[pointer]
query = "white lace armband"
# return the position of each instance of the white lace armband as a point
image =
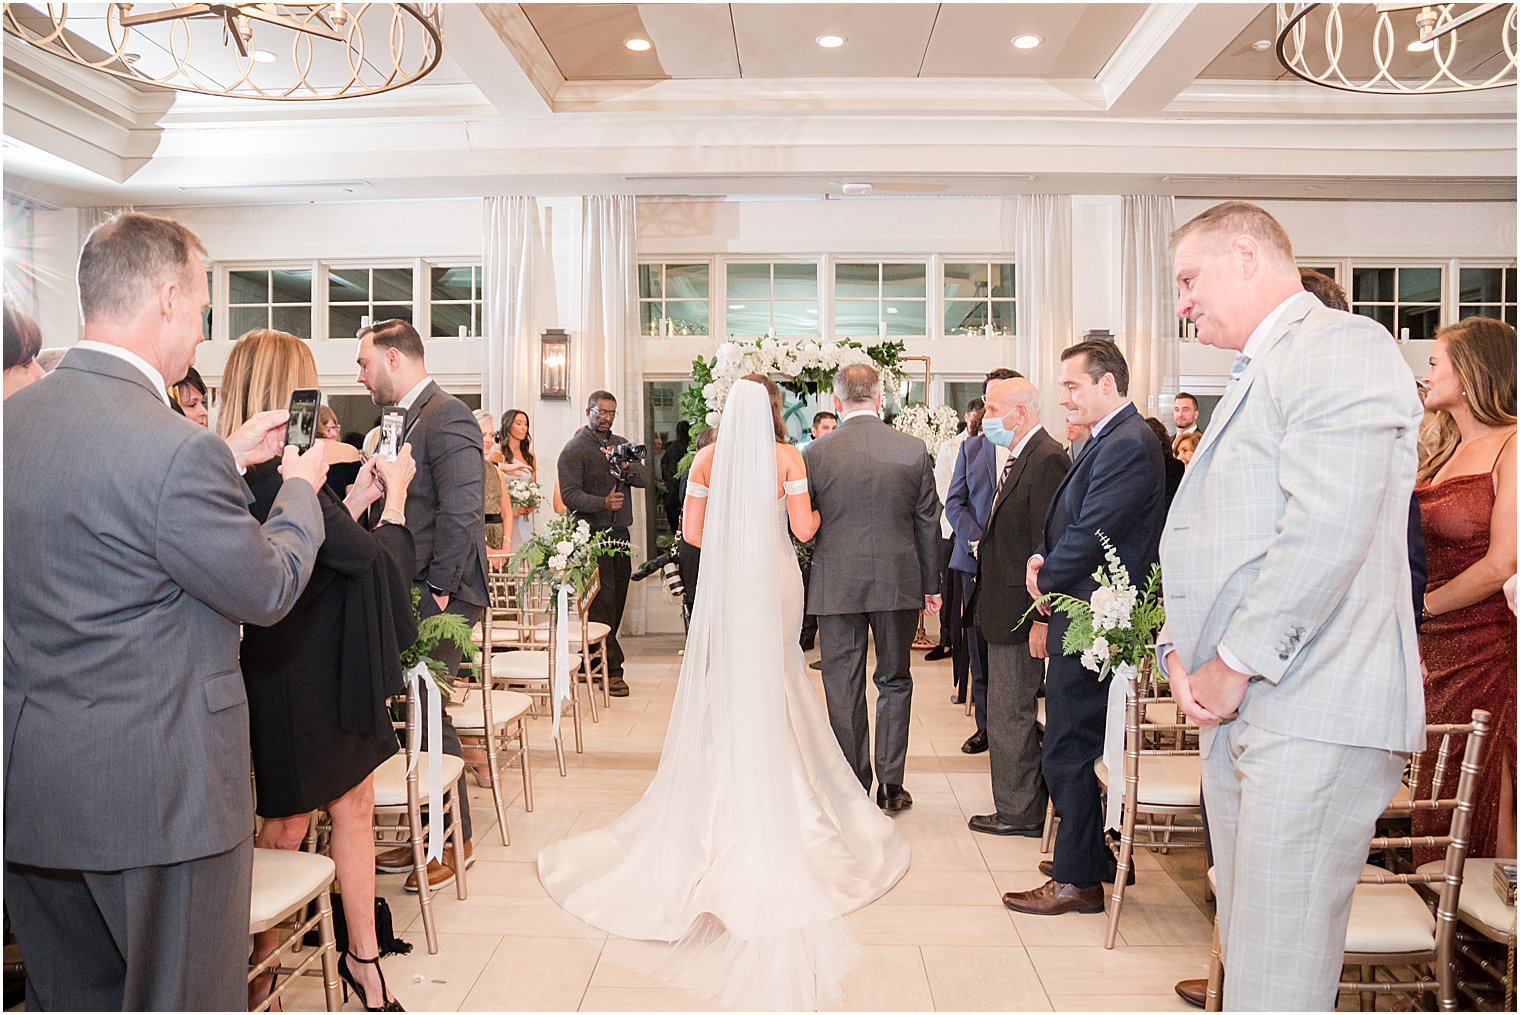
(695, 489)
(794, 486)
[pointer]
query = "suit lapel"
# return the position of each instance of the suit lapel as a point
(1019, 465)
(91, 362)
(415, 412)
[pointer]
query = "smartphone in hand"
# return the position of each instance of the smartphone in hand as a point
(392, 420)
(301, 428)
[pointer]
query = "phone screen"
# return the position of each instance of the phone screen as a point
(391, 422)
(301, 429)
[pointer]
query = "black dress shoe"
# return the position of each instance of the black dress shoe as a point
(957, 699)
(976, 743)
(1048, 868)
(937, 653)
(991, 824)
(816, 664)
(893, 798)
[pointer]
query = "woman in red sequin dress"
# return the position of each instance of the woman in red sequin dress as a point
(1466, 487)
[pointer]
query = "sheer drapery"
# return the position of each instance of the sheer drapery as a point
(20, 254)
(1147, 317)
(509, 378)
(1042, 284)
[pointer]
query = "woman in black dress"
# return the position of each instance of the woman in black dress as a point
(318, 680)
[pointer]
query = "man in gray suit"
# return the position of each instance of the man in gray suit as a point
(128, 567)
(875, 565)
(446, 511)
(1291, 629)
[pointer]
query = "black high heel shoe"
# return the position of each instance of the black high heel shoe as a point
(349, 982)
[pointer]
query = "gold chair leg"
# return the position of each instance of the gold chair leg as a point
(501, 807)
(424, 891)
(559, 754)
(331, 995)
(1121, 875)
(585, 673)
(527, 776)
(1366, 1000)
(1049, 835)
(456, 836)
(1213, 996)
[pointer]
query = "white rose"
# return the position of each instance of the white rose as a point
(564, 548)
(557, 563)
(712, 419)
(1090, 661)
(1100, 647)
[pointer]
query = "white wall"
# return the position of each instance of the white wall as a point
(55, 255)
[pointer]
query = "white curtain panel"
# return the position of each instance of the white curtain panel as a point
(1147, 307)
(1042, 286)
(509, 377)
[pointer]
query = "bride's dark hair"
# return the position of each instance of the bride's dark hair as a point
(775, 393)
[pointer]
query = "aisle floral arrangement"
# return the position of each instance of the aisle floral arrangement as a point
(566, 553)
(805, 368)
(1117, 628)
(524, 493)
(432, 632)
(932, 426)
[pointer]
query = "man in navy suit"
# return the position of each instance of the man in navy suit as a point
(1117, 486)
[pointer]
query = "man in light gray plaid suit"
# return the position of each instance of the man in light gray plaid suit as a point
(1291, 635)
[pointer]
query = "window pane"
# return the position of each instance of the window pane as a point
(958, 394)
(1004, 318)
(749, 281)
(1509, 284)
(796, 281)
(963, 316)
(290, 286)
(1470, 310)
(348, 285)
(649, 317)
(857, 280)
(1323, 269)
(686, 281)
(1419, 285)
(248, 287)
(450, 283)
(796, 318)
(649, 281)
(244, 319)
(1002, 280)
(906, 317)
(343, 322)
(688, 317)
(393, 312)
(206, 324)
(1481, 285)
(1382, 315)
(856, 318)
(393, 284)
(904, 280)
(965, 280)
(294, 320)
(448, 317)
(1509, 315)
(1422, 322)
(1372, 285)
(749, 319)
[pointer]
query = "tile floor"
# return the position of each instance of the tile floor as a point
(940, 940)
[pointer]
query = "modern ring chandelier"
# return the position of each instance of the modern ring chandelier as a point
(1399, 48)
(277, 52)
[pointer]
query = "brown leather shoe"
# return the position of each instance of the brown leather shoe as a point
(1054, 898)
(394, 861)
(441, 875)
(1194, 992)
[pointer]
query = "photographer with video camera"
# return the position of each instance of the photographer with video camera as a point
(596, 468)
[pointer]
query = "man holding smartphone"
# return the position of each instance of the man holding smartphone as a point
(445, 511)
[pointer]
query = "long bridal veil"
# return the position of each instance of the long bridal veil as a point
(715, 856)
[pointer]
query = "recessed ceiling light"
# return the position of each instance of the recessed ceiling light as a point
(1026, 41)
(264, 56)
(830, 41)
(638, 45)
(1262, 45)
(1421, 46)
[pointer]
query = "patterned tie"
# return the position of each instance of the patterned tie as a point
(1239, 367)
(1003, 477)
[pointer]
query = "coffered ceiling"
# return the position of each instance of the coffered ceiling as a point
(739, 99)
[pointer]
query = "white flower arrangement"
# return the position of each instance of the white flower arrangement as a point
(733, 360)
(565, 554)
(524, 493)
(1117, 627)
(932, 426)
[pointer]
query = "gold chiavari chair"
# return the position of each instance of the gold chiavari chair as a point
(1408, 921)
(1161, 780)
(285, 884)
(523, 651)
(493, 722)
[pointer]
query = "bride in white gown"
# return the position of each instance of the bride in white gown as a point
(754, 837)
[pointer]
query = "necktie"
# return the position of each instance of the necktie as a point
(1003, 477)
(1236, 369)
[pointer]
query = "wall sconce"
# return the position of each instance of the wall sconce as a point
(554, 364)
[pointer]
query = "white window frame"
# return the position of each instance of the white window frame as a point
(718, 308)
(931, 273)
(478, 301)
(664, 298)
(939, 299)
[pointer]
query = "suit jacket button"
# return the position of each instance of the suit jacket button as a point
(1283, 656)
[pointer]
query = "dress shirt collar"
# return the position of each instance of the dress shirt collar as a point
(410, 397)
(1259, 336)
(155, 379)
(1018, 449)
(858, 412)
(1100, 424)
(1186, 429)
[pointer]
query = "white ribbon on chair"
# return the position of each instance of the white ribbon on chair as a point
(560, 682)
(1121, 685)
(420, 679)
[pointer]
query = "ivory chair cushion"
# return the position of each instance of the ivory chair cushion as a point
(284, 880)
(390, 778)
(1389, 919)
(526, 665)
(1165, 780)
(1479, 905)
(506, 706)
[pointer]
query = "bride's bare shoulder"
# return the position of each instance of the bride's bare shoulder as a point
(701, 465)
(789, 461)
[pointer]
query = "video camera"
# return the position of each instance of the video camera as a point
(623, 455)
(670, 563)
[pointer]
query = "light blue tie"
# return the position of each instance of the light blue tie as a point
(1239, 367)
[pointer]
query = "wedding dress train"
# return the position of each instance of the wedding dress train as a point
(754, 837)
